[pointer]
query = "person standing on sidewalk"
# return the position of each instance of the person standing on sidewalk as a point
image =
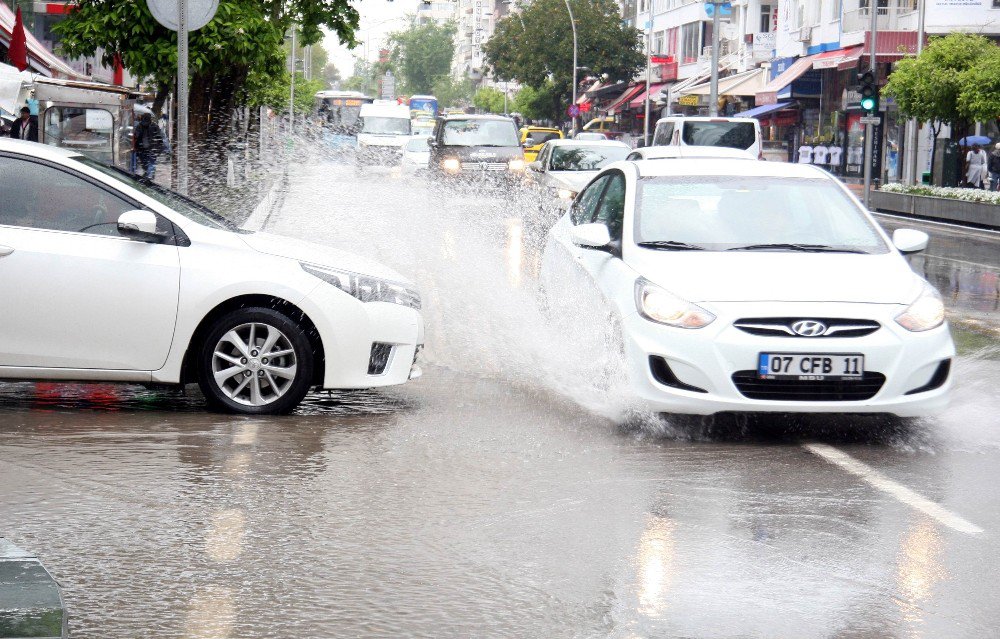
(25, 128)
(993, 164)
(975, 167)
(147, 142)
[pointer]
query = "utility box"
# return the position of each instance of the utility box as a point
(947, 167)
(31, 603)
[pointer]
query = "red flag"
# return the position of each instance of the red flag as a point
(18, 51)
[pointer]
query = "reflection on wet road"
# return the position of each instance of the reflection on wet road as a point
(494, 497)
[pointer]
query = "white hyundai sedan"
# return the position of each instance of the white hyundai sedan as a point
(754, 286)
(107, 278)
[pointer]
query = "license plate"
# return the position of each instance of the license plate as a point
(811, 366)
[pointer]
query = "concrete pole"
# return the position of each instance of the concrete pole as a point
(869, 129)
(182, 97)
(572, 22)
(913, 139)
(291, 90)
(649, 70)
(713, 94)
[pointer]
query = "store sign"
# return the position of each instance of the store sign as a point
(763, 46)
(688, 100)
(957, 13)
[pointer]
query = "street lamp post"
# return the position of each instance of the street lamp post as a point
(870, 148)
(713, 96)
(649, 72)
(572, 22)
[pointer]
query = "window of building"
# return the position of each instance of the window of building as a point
(765, 18)
(672, 40)
(660, 42)
(691, 42)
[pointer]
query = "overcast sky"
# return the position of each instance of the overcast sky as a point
(378, 19)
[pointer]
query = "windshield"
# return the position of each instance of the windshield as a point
(381, 125)
(480, 133)
(585, 158)
(735, 135)
(175, 201)
(536, 138)
(724, 212)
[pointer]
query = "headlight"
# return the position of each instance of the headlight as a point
(565, 194)
(516, 165)
(451, 164)
(365, 287)
(659, 305)
(926, 312)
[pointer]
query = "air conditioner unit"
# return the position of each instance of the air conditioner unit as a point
(804, 35)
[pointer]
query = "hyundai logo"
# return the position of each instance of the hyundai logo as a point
(809, 328)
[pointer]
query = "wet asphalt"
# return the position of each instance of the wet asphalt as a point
(503, 494)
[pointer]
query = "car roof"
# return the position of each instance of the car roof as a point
(36, 149)
(532, 127)
(693, 151)
(703, 118)
(726, 166)
(467, 116)
(575, 142)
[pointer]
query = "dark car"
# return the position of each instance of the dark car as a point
(476, 146)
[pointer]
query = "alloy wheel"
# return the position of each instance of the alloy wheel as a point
(254, 364)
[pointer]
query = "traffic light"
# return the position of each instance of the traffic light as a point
(869, 92)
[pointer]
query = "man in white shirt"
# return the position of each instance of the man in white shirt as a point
(805, 154)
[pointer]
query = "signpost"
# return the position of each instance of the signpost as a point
(182, 16)
(874, 120)
(573, 111)
(715, 8)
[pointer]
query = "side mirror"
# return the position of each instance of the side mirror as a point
(595, 236)
(139, 225)
(529, 142)
(535, 166)
(909, 240)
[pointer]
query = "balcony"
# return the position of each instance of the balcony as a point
(896, 15)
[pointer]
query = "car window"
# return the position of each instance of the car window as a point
(664, 131)
(611, 210)
(41, 196)
(736, 135)
(543, 156)
(541, 137)
(586, 204)
(586, 158)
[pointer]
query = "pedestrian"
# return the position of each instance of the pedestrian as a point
(147, 142)
(993, 165)
(975, 167)
(26, 127)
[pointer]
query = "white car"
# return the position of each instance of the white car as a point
(416, 155)
(105, 277)
(564, 167)
(734, 133)
(754, 286)
(683, 152)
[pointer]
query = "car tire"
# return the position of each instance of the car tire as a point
(259, 382)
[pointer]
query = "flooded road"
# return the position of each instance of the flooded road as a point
(500, 495)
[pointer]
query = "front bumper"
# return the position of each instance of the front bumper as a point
(349, 329)
(707, 359)
(369, 155)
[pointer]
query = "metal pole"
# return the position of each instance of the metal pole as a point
(913, 140)
(182, 97)
(649, 71)
(870, 129)
(572, 22)
(713, 95)
(291, 90)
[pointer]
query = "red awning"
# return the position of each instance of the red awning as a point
(850, 61)
(892, 45)
(654, 92)
(40, 59)
(625, 97)
(769, 94)
(833, 59)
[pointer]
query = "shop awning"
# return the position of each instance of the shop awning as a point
(654, 94)
(742, 84)
(624, 98)
(40, 59)
(582, 98)
(850, 61)
(892, 45)
(833, 59)
(757, 112)
(769, 94)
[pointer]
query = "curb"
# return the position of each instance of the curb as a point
(31, 603)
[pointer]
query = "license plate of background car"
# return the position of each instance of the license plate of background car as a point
(811, 366)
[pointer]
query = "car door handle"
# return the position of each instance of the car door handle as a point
(5, 250)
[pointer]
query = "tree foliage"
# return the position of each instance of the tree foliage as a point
(535, 46)
(331, 75)
(422, 54)
(453, 93)
(954, 80)
(536, 104)
(489, 100)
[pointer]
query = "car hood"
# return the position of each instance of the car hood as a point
(572, 180)
(779, 276)
(320, 255)
(482, 153)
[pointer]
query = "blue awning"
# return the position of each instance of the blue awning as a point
(763, 110)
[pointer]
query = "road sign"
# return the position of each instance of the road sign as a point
(167, 13)
(585, 107)
(725, 8)
(388, 86)
(870, 119)
(573, 110)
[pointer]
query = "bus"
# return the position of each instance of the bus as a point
(423, 105)
(340, 110)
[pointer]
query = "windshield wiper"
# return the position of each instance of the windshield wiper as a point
(805, 248)
(671, 245)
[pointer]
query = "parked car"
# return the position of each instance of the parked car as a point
(753, 286)
(476, 147)
(107, 277)
(735, 133)
(533, 137)
(416, 155)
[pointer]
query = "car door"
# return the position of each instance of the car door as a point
(75, 294)
(605, 267)
(561, 265)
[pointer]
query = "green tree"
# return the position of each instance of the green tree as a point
(535, 104)
(489, 100)
(979, 98)
(236, 53)
(422, 53)
(535, 46)
(453, 93)
(331, 74)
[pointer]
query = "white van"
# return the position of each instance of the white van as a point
(385, 128)
(735, 133)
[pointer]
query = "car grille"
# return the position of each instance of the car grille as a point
(484, 166)
(752, 386)
(782, 326)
